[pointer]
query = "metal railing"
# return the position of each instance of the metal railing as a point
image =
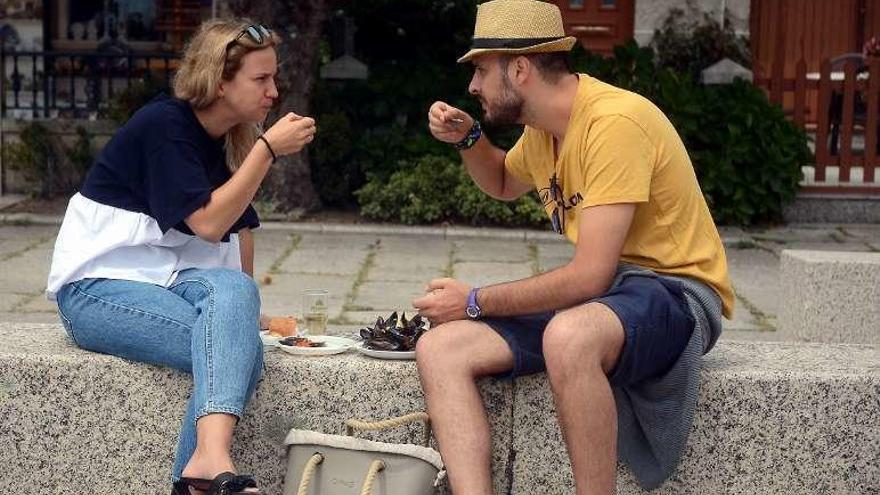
(51, 84)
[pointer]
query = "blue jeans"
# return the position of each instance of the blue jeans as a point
(206, 323)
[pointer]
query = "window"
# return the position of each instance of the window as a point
(92, 20)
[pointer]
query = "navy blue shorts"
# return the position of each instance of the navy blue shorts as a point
(656, 322)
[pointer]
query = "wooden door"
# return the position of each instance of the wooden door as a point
(814, 30)
(598, 24)
(786, 31)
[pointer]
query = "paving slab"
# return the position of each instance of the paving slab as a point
(269, 247)
(485, 273)
(15, 238)
(755, 277)
(390, 296)
(433, 246)
(19, 317)
(284, 295)
(37, 303)
(393, 266)
(796, 233)
(553, 255)
(10, 300)
(496, 251)
(27, 272)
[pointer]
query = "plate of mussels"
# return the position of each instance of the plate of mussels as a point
(392, 337)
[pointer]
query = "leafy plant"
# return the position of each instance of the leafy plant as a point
(45, 162)
(437, 188)
(747, 155)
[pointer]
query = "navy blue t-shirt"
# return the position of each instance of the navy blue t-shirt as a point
(162, 163)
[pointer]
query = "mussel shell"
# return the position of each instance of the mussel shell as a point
(417, 322)
(366, 333)
(391, 321)
(383, 345)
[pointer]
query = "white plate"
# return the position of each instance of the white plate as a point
(385, 354)
(332, 345)
(268, 340)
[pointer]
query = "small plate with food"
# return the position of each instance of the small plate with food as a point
(315, 345)
(392, 337)
(273, 329)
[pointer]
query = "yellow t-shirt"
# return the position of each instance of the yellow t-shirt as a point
(620, 148)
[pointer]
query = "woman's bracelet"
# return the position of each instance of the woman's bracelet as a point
(271, 151)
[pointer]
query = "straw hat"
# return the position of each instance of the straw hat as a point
(518, 26)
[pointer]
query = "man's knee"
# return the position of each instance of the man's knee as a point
(445, 350)
(584, 336)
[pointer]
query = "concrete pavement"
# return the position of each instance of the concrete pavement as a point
(372, 270)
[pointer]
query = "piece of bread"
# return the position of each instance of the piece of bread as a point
(283, 326)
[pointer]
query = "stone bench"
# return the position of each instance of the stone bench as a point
(773, 418)
(830, 296)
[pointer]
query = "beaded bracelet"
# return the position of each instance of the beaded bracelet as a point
(472, 137)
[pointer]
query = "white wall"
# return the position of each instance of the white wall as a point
(650, 14)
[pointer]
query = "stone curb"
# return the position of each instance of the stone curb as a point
(733, 239)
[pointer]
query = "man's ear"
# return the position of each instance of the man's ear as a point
(520, 69)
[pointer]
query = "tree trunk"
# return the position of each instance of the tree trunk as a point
(299, 24)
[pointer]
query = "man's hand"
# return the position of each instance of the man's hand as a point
(447, 123)
(445, 301)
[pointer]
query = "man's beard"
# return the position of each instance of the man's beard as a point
(507, 108)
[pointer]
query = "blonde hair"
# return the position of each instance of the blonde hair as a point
(206, 62)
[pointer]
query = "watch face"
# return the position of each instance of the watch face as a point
(472, 312)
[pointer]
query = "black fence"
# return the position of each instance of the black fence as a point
(55, 84)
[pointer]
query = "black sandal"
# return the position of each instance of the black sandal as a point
(223, 484)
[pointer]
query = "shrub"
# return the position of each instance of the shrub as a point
(46, 162)
(747, 155)
(437, 188)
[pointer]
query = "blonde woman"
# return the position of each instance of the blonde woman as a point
(154, 258)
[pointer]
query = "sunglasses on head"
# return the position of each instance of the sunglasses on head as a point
(257, 33)
(554, 194)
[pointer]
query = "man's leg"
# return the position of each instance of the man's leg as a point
(450, 358)
(581, 346)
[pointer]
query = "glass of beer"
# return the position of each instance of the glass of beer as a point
(315, 311)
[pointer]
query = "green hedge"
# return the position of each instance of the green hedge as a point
(438, 188)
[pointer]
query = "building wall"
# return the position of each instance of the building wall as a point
(651, 13)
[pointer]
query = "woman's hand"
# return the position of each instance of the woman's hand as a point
(447, 123)
(290, 134)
